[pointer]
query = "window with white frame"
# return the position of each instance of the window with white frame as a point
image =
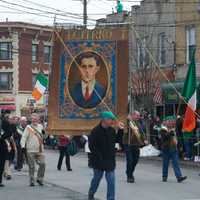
(5, 50)
(33, 80)
(47, 54)
(162, 48)
(139, 54)
(190, 42)
(34, 52)
(5, 80)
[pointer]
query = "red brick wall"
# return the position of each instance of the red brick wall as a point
(25, 62)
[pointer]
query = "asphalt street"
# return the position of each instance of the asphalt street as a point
(60, 185)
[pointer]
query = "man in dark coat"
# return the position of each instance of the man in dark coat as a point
(133, 140)
(4, 134)
(8, 128)
(102, 145)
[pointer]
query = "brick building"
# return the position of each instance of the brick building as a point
(25, 50)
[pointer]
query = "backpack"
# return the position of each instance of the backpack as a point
(72, 148)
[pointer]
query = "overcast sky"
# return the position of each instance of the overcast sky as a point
(22, 10)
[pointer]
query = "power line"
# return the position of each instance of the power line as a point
(153, 2)
(38, 14)
(48, 7)
(36, 9)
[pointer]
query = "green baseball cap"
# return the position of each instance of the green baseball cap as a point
(108, 115)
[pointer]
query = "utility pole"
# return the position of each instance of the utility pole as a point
(85, 17)
(85, 13)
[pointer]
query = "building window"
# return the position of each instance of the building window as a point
(47, 54)
(139, 54)
(5, 50)
(33, 80)
(190, 42)
(143, 56)
(162, 49)
(5, 81)
(34, 52)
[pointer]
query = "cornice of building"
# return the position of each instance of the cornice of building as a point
(24, 25)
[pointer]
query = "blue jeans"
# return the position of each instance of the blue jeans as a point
(188, 148)
(132, 157)
(173, 156)
(110, 178)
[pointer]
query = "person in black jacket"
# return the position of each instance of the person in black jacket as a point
(3, 146)
(8, 129)
(102, 146)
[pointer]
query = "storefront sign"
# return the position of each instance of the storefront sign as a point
(171, 97)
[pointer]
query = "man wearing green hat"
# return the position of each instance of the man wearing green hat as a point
(102, 146)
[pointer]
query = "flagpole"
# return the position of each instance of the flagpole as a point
(179, 106)
(50, 65)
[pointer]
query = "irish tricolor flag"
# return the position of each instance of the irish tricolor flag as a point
(189, 94)
(40, 86)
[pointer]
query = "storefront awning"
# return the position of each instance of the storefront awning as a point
(169, 94)
(7, 107)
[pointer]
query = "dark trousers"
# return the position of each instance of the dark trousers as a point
(20, 159)
(172, 155)
(188, 145)
(89, 160)
(2, 164)
(64, 153)
(132, 157)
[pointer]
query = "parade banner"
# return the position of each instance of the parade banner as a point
(89, 75)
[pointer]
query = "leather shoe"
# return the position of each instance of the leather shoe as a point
(164, 179)
(91, 197)
(181, 179)
(40, 182)
(131, 180)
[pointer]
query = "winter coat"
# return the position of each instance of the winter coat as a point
(63, 141)
(168, 140)
(3, 149)
(9, 130)
(102, 146)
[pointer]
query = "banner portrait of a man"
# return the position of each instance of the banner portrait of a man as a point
(85, 88)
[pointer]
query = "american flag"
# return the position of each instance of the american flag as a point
(157, 99)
